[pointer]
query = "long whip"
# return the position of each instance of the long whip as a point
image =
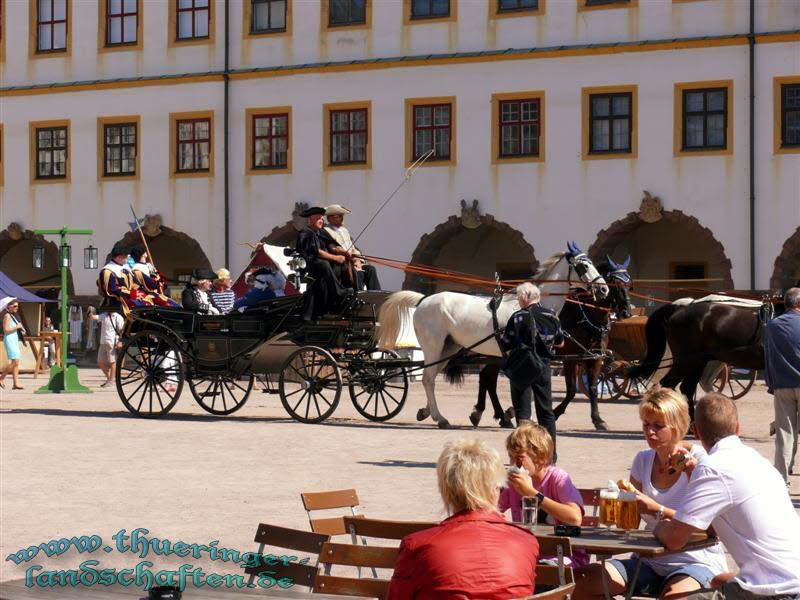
(412, 168)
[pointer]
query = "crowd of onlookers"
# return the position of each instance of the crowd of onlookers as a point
(715, 485)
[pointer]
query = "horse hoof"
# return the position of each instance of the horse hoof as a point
(558, 411)
(475, 417)
(423, 414)
(445, 424)
(600, 425)
(510, 414)
(506, 423)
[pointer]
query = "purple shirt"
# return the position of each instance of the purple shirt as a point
(556, 485)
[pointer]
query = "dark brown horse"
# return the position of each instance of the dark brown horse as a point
(587, 322)
(696, 334)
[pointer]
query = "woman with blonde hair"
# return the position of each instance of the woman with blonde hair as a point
(661, 474)
(474, 553)
(12, 330)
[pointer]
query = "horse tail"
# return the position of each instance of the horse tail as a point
(454, 372)
(656, 335)
(390, 317)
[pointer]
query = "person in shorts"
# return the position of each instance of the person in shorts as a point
(660, 475)
(111, 325)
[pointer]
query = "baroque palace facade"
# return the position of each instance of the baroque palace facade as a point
(664, 129)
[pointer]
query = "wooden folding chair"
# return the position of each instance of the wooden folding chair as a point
(290, 539)
(331, 525)
(559, 593)
(591, 498)
(354, 555)
(382, 528)
(327, 501)
(560, 548)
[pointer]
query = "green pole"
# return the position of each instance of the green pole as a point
(63, 379)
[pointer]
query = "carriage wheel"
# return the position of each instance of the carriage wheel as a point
(631, 388)
(149, 374)
(608, 387)
(222, 393)
(379, 393)
(720, 382)
(310, 384)
(740, 381)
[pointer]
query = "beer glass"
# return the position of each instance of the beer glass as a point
(530, 510)
(628, 511)
(608, 507)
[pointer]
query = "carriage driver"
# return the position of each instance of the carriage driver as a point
(324, 267)
(342, 243)
(537, 327)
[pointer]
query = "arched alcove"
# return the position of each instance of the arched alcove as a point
(786, 272)
(16, 261)
(486, 248)
(676, 246)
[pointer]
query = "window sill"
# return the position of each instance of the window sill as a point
(426, 20)
(137, 47)
(192, 175)
(609, 155)
(510, 160)
(520, 12)
(192, 42)
(268, 171)
(363, 166)
(49, 180)
(331, 27)
(582, 6)
(434, 162)
(108, 178)
(267, 33)
(787, 150)
(704, 152)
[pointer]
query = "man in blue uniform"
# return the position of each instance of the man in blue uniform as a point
(324, 267)
(538, 328)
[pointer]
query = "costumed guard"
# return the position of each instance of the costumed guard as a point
(323, 265)
(195, 295)
(267, 284)
(116, 282)
(339, 238)
(148, 279)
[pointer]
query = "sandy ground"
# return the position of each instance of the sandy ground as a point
(74, 465)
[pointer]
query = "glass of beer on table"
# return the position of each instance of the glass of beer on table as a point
(628, 511)
(608, 507)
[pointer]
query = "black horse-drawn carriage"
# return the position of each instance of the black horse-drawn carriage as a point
(220, 356)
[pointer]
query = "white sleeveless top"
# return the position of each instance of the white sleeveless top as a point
(713, 557)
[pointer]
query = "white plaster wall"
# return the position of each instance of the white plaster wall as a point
(562, 198)
(193, 206)
(561, 24)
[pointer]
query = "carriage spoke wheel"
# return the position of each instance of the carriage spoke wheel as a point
(720, 382)
(149, 374)
(310, 384)
(739, 382)
(608, 384)
(378, 393)
(221, 393)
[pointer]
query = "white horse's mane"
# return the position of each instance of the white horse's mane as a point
(544, 268)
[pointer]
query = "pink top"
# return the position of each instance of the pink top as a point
(556, 485)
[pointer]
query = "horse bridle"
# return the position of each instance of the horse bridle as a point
(580, 264)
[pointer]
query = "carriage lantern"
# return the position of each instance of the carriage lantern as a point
(65, 255)
(90, 257)
(38, 257)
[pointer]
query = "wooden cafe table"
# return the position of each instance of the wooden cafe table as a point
(607, 542)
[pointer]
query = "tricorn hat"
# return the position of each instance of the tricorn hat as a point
(199, 274)
(314, 210)
(120, 249)
(336, 209)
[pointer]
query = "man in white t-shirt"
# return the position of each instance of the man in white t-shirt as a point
(740, 494)
(111, 326)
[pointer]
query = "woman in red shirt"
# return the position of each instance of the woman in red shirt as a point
(475, 553)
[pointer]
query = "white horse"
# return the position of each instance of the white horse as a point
(448, 321)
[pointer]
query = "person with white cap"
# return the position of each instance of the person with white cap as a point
(367, 276)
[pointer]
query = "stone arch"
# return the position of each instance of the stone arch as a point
(695, 235)
(175, 253)
(512, 257)
(283, 235)
(786, 272)
(16, 261)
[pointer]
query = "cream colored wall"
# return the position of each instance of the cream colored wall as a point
(561, 24)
